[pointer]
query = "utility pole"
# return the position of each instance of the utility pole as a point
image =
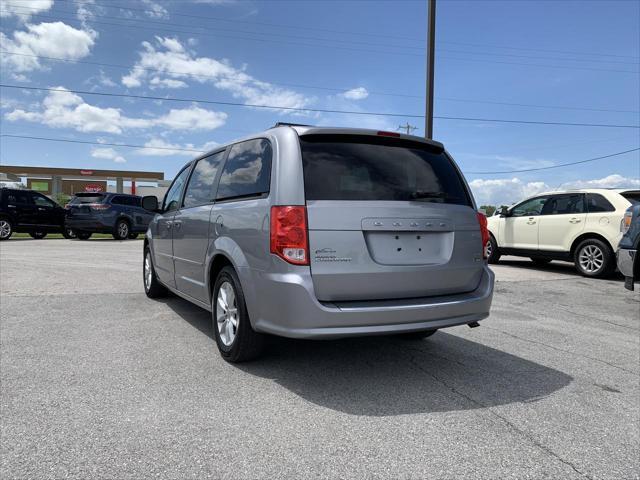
(431, 44)
(407, 127)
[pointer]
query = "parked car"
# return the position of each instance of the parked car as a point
(27, 211)
(580, 226)
(116, 213)
(627, 253)
(321, 233)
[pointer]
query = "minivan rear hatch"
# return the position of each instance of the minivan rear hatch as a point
(388, 218)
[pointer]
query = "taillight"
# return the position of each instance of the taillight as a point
(99, 206)
(289, 234)
(67, 206)
(626, 222)
(484, 233)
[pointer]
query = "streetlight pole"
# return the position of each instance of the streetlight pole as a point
(431, 44)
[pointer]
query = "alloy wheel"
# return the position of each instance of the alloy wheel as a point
(5, 229)
(488, 248)
(227, 313)
(123, 230)
(591, 258)
(148, 272)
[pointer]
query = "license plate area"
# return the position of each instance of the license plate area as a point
(409, 247)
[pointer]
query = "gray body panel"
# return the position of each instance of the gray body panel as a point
(357, 283)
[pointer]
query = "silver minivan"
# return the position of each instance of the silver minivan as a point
(311, 232)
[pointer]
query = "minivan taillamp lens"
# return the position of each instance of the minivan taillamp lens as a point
(484, 233)
(289, 234)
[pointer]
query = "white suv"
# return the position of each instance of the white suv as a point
(582, 226)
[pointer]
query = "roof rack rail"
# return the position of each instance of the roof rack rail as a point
(287, 124)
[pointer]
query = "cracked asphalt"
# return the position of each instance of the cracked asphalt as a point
(97, 381)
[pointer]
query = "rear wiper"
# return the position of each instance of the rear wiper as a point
(424, 194)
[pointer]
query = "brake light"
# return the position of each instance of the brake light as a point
(484, 233)
(99, 206)
(626, 222)
(289, 234)
(388, 134)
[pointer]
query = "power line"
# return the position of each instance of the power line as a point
(316, 87)
(316, 110)
(66, 140)
(376, 35)
(299, 44)
(555, 166)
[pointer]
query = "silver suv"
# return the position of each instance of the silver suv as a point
(312, 232)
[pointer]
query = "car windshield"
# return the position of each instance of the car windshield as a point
(91, 198)
(633, 197)
(358, 167)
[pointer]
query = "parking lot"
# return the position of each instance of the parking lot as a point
(98, 380)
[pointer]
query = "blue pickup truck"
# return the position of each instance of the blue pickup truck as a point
(627, 254)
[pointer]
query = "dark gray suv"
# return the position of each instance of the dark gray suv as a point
(321, 233)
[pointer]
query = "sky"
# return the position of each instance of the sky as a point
(532, 61)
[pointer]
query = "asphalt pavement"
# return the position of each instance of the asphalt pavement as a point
(97, 381)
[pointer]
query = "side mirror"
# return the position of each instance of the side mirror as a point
(504, 212)
(150, 203)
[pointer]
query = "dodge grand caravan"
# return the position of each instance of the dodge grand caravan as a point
(321, 233)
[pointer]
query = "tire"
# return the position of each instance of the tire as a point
(594, 258)
(418, 335)
(133, 236)
(540, 262)
(152, 286)
(122, 230)
(68, 233)
(236, 342)
(493, 251)
(83, 235)
(38, 235)
(6, 229)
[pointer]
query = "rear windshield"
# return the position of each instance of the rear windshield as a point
(356, 167)
(633, 197)
(91, 198)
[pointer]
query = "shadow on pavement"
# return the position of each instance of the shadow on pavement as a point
(385, 376)
(566, 268)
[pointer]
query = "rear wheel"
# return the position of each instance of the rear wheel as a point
(68, 233)
(38, 235)
(493, 254)
(152, 287)
(236, 339)
(6, 229)
(594, 258)
(121, 231)
(83, 235)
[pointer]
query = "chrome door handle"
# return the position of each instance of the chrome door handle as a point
(169, 225)
(575, 220)
(11, 206)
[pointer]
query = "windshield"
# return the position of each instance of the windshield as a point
(91, 198)
(357, 167)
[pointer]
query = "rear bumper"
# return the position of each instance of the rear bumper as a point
(89, 225)
(626, 259)
(286, 306)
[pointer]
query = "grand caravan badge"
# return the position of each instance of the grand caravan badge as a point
(327, 255)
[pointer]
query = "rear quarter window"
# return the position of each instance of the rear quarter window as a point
(356, 167)
(247, 171)
(597, 203)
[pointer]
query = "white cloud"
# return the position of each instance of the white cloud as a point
(108, 154)
(167, 59)
(63, 109)
(157, 147)
(55, 39)
(24, 10)
(506, 191)
(359, 93)
(155, 10)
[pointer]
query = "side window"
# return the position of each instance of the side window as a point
(247, 171)
(529, 208)
(172, 198)
(201, 184)
(117, 200)
(597, 203)
(564, 204)
(42, 201)
(17, 197)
